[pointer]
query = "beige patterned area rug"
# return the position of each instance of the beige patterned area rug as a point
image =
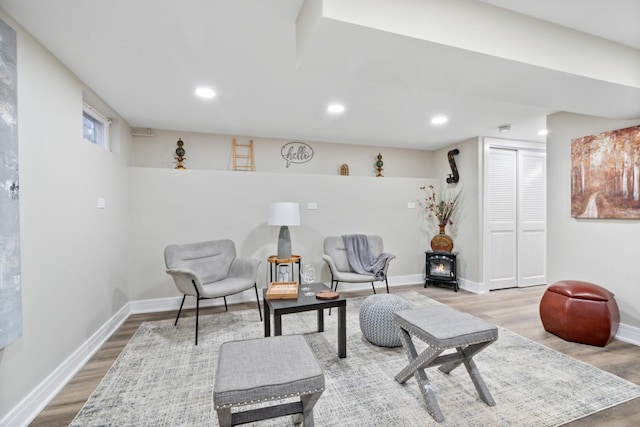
(162, 379)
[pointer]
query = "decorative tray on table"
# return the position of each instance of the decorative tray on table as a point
(282, 290)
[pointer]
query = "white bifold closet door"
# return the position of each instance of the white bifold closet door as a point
(515, 239)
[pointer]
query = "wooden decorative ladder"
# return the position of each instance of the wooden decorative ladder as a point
(245, 156)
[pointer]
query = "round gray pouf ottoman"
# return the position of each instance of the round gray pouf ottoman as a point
(376, 319)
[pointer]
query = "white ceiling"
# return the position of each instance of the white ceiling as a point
(145, 58)
(617, 20)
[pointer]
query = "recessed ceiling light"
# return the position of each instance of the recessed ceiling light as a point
(543, 132)
(439, 120)
(505, 128)
(205, 92)
(335, 108)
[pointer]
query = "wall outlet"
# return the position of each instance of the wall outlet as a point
(411, 205)
(101, 203)
(312, 205)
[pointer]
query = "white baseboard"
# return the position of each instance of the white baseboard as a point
(628, 334)
(470, 286)
(40, 397)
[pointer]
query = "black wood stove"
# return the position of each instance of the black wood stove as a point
(440, 269)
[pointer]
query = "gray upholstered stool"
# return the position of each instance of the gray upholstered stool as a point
(443, 328)
(267, 369)
(376, 319)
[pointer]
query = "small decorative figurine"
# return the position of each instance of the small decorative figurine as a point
(180, 154)
(379, 164)
(344, 169)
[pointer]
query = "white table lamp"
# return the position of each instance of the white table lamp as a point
(284, 214)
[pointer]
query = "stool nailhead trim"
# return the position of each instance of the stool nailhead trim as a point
(301, 393)
(422, 338)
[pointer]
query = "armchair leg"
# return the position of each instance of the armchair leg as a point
(255, 286)
(374, 288)
(197, 315)
(386, 282)
(180, 310)
(225, 304)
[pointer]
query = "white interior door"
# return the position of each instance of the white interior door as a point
(501, 237)
(515, 218)
(532, 224)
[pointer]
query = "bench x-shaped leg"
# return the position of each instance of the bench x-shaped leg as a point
(431, 357)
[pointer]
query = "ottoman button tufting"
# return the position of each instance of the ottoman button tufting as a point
(377, 321)
(580, 312)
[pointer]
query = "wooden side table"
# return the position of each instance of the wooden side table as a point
(274, 262)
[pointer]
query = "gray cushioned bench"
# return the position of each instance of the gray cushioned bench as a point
(442, 328)
(267, 369)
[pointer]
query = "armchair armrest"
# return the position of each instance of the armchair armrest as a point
(185, 280)
(332, 265)
(246, 268)
(386, 264)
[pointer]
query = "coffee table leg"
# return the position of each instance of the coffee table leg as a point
(277, 324)
(342, 331)
(320, 320)
(267, 319)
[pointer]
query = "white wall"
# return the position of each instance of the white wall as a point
(604, 252)
(170, 206)
(72, 254)
(467, 223)
(209, 201)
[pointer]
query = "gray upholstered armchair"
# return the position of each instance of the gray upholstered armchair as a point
(335, 255)
(210, 269)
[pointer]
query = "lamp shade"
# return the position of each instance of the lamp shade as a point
(284, 213)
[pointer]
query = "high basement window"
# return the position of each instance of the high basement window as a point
(95, 126)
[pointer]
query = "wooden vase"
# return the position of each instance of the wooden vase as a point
(441, 242)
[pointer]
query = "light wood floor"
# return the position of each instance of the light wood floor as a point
(514, 309)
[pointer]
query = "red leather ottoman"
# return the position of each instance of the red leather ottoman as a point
(580, 311)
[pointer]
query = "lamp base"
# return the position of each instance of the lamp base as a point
(284, 243)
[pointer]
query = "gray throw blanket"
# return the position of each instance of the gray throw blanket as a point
(360, 258)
